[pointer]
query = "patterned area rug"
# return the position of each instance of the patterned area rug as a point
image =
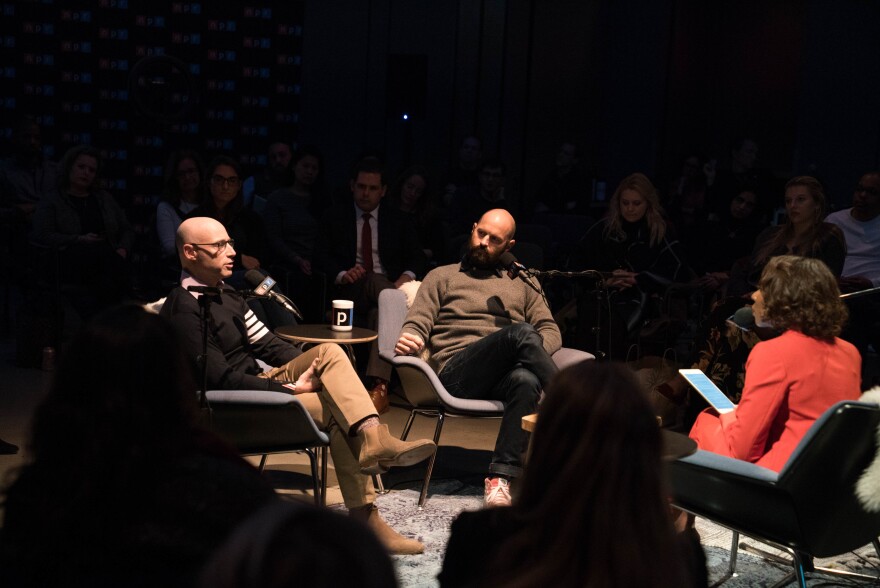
(448, 497)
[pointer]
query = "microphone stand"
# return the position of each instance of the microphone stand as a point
(202, 360)
(601, 296)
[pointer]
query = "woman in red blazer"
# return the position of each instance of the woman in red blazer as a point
(792, 379)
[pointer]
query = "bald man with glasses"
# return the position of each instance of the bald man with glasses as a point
(322, 378)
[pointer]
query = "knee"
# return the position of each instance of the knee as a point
(524, 384)
(523, 334)
(331, 351)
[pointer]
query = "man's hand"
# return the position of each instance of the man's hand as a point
(403, 279)
(353, 275)
(308, 381)
(408, 345)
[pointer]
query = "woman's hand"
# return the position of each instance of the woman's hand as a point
(621, 279)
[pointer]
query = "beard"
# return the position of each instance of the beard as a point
(481, 258)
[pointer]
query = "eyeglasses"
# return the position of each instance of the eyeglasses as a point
(185, 173)
(232, 182)
(218, 247)
(867, 190)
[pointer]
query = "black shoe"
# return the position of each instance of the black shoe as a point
(7, 448)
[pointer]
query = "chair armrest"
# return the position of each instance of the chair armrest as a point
(405, 364)
(255, 397)
(262, 421)
(729, 466)
(565, 356)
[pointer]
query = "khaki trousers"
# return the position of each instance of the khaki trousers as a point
(341, 403)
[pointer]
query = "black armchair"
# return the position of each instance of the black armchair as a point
(809, 508)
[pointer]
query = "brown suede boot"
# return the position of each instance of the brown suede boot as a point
(380, 451)
(394, 542)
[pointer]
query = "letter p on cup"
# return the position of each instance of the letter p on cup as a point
(342, 315)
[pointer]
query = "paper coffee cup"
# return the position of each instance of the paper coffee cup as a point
(342, 315)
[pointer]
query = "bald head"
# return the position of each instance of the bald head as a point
(491, 236)
(205, 249)
(501, 219)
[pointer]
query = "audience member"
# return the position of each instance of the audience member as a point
(472, 202)
(89, 233)
(686, 202)
(632, 243)
(740, 174)
(717, 243)
(225, 203)
(566, 189)
(292, 221)
(592, 509)
(489, 337)
(288, 544)
(322, 378)
(27, 176)
(121, 487)
(722, 349)
(463, 172)
(413, 194)
(275, 176)
(861, 267)
(183, 192)
(792, 379)
(689, 173)
(365, 248)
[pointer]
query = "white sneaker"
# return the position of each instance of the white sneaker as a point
(497, 492)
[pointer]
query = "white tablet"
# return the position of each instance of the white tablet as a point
(708, 390)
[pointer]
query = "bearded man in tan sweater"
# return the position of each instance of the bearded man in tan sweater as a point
(489, 338)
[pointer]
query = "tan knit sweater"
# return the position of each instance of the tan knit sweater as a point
(456, 306)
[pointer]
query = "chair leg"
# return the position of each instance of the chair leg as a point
(408, 426)
(262, 463)
(316, 481)
(441, 416)
(323, 451)
(731, 565)
(802, 564)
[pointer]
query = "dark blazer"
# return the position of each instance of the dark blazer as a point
(399, 246)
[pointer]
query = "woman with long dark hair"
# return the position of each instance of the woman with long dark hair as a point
(592, 507)
(122, 487)
(224, 202)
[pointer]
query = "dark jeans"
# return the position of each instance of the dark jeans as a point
(510, 365)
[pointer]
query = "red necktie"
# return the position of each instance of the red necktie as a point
(367, 244)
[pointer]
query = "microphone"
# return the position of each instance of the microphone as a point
(517, 270)
(209, 290)
(263, 284)
(743, 318)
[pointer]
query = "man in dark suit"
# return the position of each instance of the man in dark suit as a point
(365, 248)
